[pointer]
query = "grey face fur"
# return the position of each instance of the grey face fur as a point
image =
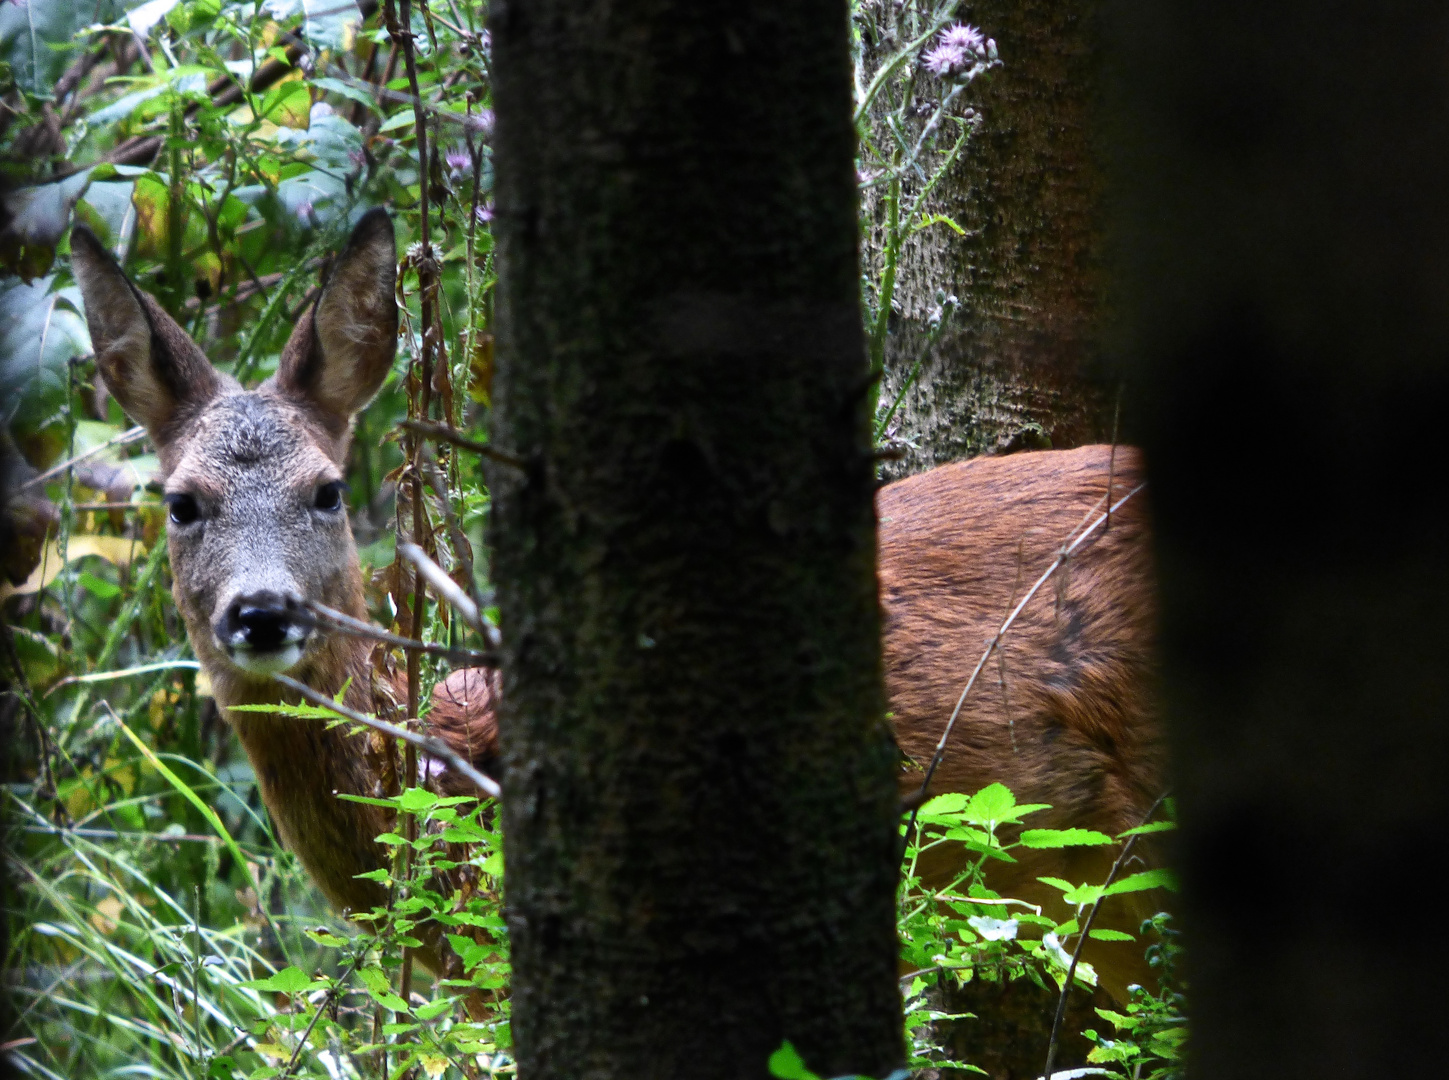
(253, 478)
(261, 526)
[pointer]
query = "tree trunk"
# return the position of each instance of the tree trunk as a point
(1018, 366)
(1287, 242)
(699, 802)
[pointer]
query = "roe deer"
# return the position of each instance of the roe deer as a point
(253, 479)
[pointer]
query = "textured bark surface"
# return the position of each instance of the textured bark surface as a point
(1288, 243)
(699, 801)
(1018, 367)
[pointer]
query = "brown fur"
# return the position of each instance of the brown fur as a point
(1064, 716)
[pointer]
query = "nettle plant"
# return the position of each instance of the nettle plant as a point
(966, 930)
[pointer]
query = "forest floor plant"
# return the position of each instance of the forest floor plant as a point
(155, 923)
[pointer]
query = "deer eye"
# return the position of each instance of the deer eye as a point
(329, 496)
(183, 508)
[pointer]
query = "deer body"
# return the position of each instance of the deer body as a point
(253, 480)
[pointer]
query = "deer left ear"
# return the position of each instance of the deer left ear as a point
(342, 350)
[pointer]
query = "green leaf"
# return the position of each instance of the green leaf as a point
(1109, 935)
(96, 587)
(290, 980)
(1147, 879)
(1148, 829)
(992, 804)
(404, 119)
(380, 988)
(415, 800)
(1060, 838)
(785, 1064)
(347, 90)
(434, 1009)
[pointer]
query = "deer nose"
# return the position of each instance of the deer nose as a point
(262, 622)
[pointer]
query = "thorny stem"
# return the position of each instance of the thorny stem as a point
(428, 290)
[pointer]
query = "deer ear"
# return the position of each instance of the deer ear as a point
(150, 365)
(342, 350)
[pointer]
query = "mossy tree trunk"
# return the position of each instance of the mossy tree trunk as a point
(699, 804)
(1019, 365)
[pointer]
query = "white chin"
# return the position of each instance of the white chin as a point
(267, 663)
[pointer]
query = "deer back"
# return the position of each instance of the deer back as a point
(1063, 710)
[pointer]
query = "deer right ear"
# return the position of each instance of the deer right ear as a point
(150, 365)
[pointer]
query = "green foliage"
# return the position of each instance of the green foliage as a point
(1151, 1042)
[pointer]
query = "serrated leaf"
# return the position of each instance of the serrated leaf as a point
(290, 980)
(379, 987)
(1147, 879)
(1060, 838)
(416, 800)
(1148, 829)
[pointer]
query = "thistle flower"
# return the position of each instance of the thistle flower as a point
(965, 37)
(484, 213)
(945, 60)
(959, 49)
(458, 159)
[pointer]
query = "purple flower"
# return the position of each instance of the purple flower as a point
(960, 50)
(484, 213)
(965, 37)
(458, 159)
(945, 59)
(306, 211)
(429, 768)
(482, 122)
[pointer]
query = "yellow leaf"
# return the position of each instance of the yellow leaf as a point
(105, 916)
(114, 549)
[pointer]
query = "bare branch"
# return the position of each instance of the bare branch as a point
(427, 743)
(448, 590)
(327, 618)
(444, 433)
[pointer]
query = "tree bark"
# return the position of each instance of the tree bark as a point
(1019, 366)
(1287, 244)
(699, 804)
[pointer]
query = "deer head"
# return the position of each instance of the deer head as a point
(253, 478)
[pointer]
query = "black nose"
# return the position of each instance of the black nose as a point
(263, 622)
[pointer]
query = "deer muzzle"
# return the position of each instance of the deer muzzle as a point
(263, 632)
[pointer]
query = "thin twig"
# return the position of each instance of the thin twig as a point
(444, 433)
(448, 590)
(331, 619)
(1082, 937)
(436, 747)
(123, 439)
(321, 1008)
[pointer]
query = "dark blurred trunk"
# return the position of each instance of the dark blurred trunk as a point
(700, 800)
(1286, 242)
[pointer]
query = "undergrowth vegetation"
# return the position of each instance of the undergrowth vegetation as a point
(221, 150)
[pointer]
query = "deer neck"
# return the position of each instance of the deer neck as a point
(302, 765)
